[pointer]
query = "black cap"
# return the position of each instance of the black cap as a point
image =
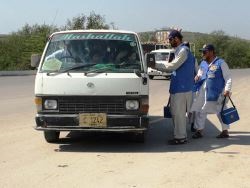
(207, 47)
(175, 33)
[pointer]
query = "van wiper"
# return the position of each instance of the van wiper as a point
(71, 68)
(100, 70)
(78, 66)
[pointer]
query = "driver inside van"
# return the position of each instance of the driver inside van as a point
(70, 51)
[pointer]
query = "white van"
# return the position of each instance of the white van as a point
(161, 56)
(91, 80)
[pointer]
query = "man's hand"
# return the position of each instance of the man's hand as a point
(226, 93)
(196, 78)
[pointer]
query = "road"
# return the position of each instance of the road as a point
(100, 160)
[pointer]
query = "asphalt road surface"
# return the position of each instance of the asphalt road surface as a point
(113, 160)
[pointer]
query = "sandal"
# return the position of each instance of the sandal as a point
(177, 141)
(197, 134)
(223, 134)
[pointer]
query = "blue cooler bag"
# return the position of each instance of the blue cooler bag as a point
(229, 115)
(166, 109)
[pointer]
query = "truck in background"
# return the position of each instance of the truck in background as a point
(161, 56)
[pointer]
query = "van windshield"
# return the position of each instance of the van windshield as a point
(112, 52)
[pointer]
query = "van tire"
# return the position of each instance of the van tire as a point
(51, 136)
(151, 77)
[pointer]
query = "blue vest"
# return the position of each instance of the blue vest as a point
(215, 82)
(183, 79)
(204, 68)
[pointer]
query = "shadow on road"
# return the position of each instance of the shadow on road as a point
(156, 140)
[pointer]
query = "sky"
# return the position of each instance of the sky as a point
(232, 17)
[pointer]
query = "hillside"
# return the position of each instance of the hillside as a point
(2, 36)
(187, 36)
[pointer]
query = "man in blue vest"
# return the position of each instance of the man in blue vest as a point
(217, 85)
(181, 85)
(199, 80)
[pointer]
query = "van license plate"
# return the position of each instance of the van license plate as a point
(98, 120)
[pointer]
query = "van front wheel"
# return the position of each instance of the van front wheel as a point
(51, 136)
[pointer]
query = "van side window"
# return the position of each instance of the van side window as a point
(171, 57)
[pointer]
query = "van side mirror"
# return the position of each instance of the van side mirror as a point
(34, 60)
(150, 59)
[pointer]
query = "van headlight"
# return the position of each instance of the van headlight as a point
(132, 105)
(50, 104)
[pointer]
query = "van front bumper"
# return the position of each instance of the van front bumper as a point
(70, 122)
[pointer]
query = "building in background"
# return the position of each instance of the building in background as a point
(162, 36)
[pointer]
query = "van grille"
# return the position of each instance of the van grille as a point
(110, 105)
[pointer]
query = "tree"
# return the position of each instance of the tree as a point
(18, 47)
(220, 40)
(237, 54)
(78, 22)
(93, 21)
(96, 21)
